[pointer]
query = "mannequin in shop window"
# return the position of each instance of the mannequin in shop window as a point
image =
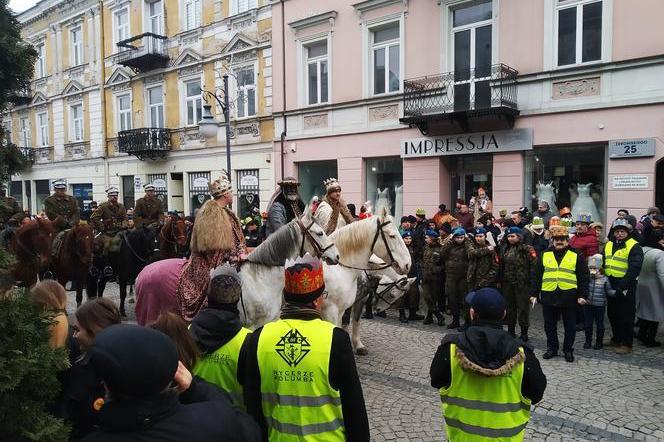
(480, 204)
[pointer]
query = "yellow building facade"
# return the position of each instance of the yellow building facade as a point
(118, 92)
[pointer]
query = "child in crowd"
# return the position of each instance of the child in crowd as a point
(599, 288)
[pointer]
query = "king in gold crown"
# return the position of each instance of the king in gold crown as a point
(303, 280)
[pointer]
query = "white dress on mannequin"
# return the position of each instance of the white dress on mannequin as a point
(398, 203)
(584, 203)
(383, 200)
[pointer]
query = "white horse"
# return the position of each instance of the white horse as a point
(262, 274)
(546, 192)
(357, 242)
(386, 285)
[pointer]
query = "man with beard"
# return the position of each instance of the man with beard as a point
(333, 205)
(284, 205)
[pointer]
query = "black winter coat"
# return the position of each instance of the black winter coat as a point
(204, 418)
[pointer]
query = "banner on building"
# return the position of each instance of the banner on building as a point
(462, 144)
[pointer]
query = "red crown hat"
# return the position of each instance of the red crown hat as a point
(303, 278)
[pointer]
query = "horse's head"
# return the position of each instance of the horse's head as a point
(316, 242)
(83, 243)
(179, 231)
(389, 290)
(34, 240)
(388, 244)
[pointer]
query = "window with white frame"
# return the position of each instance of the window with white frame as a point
(24, 124)
(42, 128)
(579, 24)
(193, 101)
(121, 24)
(123, 106)
(239, 6)
(316, 72)
(76, 122)
(246, 92)
(155, 17)
(192, 14)
(156, 106)
(385, 58)
(76, 40)
(40, 63)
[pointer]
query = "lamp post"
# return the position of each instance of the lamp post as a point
(208, 126)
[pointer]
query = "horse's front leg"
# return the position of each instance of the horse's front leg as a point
(356, 314)
(330, 313)
(123, 295)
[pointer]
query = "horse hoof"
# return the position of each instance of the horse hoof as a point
(362, 351)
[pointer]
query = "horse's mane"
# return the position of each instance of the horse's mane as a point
(30, 229)
(351, 237)
(277, 247)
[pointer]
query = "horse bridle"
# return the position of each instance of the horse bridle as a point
(306, 234)
(379, 232)
(172, 232)
(388, 287)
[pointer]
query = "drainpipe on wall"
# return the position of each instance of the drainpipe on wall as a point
(283, 85)
(102, 95)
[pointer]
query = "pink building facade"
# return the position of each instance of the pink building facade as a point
(416, 103)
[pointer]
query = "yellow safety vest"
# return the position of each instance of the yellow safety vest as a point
(220, 367)
(478, 408)
(616, 264)
(299, 404)
(561, 276)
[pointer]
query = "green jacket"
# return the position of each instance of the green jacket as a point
(63, 212)
(109, 218)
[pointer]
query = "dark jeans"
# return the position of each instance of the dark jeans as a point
(621, 311)
(551, 317)
(593, 314)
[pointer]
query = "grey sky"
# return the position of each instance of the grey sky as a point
(21, 5)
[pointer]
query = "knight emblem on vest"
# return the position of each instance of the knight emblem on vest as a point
(293, 347)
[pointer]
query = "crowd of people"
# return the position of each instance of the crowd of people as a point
(569, 266)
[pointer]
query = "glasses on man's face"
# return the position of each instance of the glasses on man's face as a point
(324, 294)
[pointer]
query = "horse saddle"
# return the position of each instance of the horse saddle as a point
(57, 243)
(115, 243)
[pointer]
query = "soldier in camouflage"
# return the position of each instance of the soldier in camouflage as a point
(517, 276)
(149, 211)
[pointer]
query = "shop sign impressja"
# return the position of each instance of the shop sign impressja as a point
(461, 144)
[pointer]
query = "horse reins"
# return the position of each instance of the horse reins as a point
(389, 287)
(381, 232)
(320, 251)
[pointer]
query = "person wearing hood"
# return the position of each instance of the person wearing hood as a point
(516, 275)
(219, 334)
(650, 289)
(561, 283)
(151, 396)
(485, 375)
(455, 259)
(623, 258)
(285, 204)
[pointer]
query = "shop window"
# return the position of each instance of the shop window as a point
(16, 191)
(384, 179)
(247, 192)
(571, 177)
(579, 31)
(42, 191)
(158, 180)
(198, 190)
(83, 194)
(311, 175)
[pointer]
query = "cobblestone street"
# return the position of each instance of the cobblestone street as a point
(600, 396)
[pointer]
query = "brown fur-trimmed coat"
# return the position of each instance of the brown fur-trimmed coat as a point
(216, 228)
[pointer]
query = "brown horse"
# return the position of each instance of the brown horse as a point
(31, 245)
(172, 238)
(75, 258)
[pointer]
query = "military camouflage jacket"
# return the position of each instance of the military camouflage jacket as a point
(109, 218)
(9, 208)
(148, 211)
(432, 262)
(63, 212)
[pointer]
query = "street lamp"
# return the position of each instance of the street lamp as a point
(208, 126)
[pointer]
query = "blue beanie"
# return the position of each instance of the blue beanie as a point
(515, 230)
(459, 231)
(488, 303)
(480, 231)
(407, 234)
(431, 233)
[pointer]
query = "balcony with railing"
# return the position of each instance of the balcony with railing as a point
(145, 143)
(38, 155)
(20, 97)
(468, 100)
(144, 52)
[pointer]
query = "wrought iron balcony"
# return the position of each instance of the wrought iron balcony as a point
(20, 97)
(144, 52)
(484, 98)
(36, 155)
(145, 143)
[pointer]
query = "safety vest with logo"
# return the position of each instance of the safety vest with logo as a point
(479, 408)
(561, 276)
(616, 264)
(220, 367)
(299, 404)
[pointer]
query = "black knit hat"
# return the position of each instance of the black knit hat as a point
(134, 361)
